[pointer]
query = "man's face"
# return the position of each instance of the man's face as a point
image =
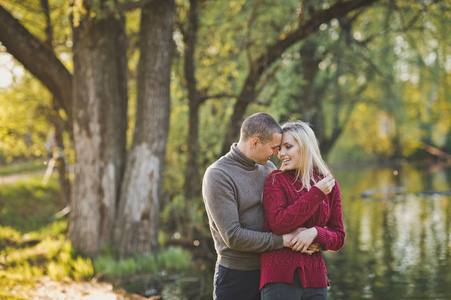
(263, 152)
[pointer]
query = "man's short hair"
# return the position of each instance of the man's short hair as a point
(260, 125)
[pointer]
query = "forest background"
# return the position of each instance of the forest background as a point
(137, 98)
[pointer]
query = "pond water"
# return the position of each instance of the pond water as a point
(398, 225)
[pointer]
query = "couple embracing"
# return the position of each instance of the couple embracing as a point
(270, 226)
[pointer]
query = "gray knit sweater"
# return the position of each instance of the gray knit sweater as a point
(232, 190)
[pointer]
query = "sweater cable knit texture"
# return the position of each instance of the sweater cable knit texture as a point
(287, 206)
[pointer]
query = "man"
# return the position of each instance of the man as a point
(232, 191)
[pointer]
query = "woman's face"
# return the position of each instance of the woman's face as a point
(290, 152)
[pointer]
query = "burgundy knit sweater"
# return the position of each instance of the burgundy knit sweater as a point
(287, 208)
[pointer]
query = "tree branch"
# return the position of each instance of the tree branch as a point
(125, 7)
(217, 96)
(37, 59)
(274, 51)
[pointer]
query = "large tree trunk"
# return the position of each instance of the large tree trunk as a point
(137, 217)
(273, 53)
(100, 123)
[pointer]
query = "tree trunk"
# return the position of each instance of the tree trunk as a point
(192, 183)
(56, 119)
(63, 177)
(100, 123)
(138, 214)
(308, 104)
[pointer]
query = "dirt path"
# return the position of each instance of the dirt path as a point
(5, 179)
(47, 289)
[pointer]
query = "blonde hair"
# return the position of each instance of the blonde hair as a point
(310, 157)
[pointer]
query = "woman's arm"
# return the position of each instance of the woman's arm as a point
(332, 236)
(282, 217)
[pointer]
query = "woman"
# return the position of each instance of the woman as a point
(301, 195)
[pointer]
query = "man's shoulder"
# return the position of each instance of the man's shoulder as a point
(219, 167)
(269, 166)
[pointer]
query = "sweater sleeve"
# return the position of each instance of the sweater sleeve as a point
(282, 217)
(332, 236)
(222, 208)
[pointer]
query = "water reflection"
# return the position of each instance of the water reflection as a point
(398, 228)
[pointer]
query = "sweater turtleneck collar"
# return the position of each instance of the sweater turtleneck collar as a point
(239, 156)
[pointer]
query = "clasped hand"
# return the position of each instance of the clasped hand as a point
(301, 240)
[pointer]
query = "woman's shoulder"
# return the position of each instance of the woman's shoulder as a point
(277, 173)
(275, 176)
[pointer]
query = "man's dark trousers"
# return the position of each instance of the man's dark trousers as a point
(230, 284)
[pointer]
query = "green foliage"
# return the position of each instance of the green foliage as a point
(27, 257)
(32, 246)
(169, 260)
(23, 126)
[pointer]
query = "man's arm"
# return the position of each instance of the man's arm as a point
(222, 208)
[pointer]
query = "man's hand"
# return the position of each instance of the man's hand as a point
(312, 249)
(302, 240)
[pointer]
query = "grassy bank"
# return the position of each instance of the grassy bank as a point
(33, 245)
(18, 168)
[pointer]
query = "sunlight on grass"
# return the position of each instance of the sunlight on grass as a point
(171, 259)
(33, 246)
(26, 259)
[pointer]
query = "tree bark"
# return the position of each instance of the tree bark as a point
(100, 123)
(272, 53)
(55, 119)
(37, 58)
(191, 185)
(138, 214)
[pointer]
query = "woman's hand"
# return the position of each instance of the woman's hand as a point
(302, 241)
(326, 184)
(288, 237)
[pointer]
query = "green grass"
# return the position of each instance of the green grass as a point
(169, 260)
(26, 257)
(32, 246)
(28, 205)
(141, 273)
(22, 168)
